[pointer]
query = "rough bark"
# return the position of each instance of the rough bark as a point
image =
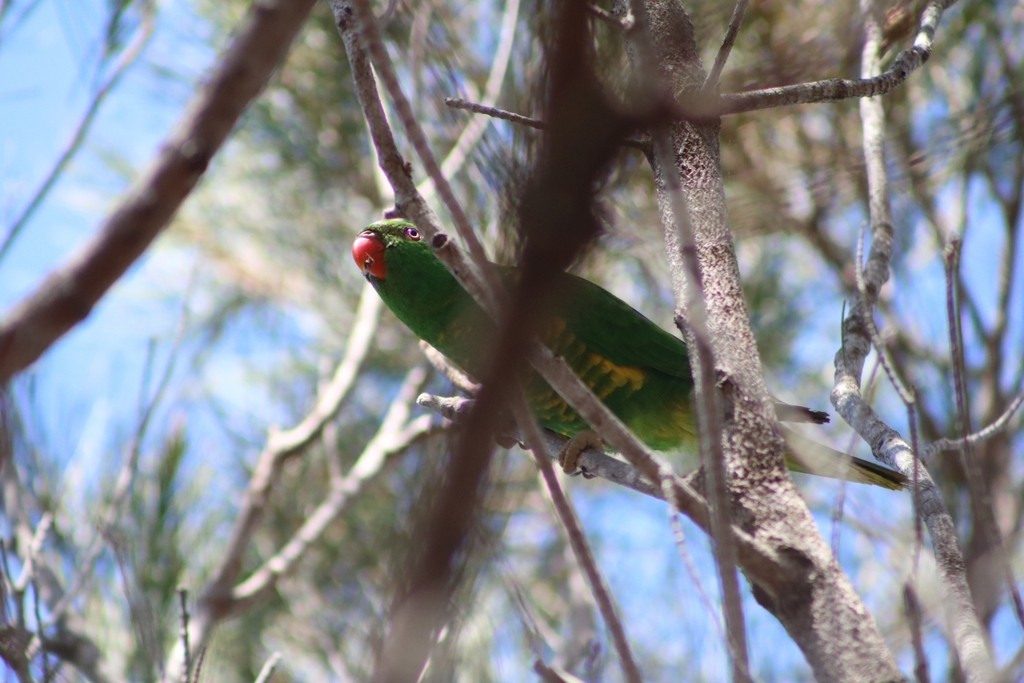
(814, 599)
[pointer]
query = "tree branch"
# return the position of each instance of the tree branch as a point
(847, 645)
(593, 462)
(836, 89)
(68, 295)
(577, 540)
(886, 443)
(216, 601)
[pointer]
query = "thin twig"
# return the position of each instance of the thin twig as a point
(735, 21)
(198, 668)
(881, 211)
(532, 628)
(382, 61)
(280, 446)
(38, 613)
(268, 668)
(186, 657)
(494, 112)
(461, 380)
(640, 144)
(594, 462)
(905, 394)
(125, 479)
(472, 273)
(396, 433)
(977, 487)
(679, 535)
(577, 540)
(912, 606)
(999, 425)
(364, 327)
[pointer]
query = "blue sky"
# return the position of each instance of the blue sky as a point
(83, 384)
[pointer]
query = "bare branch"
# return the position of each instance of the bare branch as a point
(494, 112)
(268, 668)
(735, 21)
(186, 653)
(592, 462)
(395, 434)
(382, 62)
(217, 600)
(461, 380)
(69, 293)
(329, 401)
(679, 238)
(473, 273)
(676, 522)
(758, 483)
(282, 445)
(836, 89)
(981, 498)
(886, 444)
(912, 606)
(125, 479)
(998, 426)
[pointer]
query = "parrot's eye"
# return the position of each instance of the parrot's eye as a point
(412, 233)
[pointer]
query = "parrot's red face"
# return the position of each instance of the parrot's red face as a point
(368, 252)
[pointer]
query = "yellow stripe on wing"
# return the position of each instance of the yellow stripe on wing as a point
(598, 372)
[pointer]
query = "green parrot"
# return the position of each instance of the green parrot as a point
(640, 371)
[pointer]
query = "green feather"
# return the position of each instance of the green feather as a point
(640, 371)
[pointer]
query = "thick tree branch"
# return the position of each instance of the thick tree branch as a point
(68, 295)
(845, 645)
(694, 324)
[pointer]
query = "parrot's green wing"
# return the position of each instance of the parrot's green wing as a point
(637, 369)
(608, 326)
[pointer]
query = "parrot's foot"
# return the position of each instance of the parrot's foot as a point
(569, 457)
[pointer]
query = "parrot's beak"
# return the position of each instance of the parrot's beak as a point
(368, 253)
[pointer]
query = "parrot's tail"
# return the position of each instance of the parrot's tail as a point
(810, 457)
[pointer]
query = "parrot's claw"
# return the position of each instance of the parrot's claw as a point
(569, 456)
